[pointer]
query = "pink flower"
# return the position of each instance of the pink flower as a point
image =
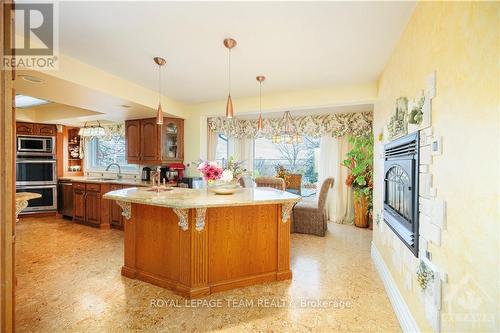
(210, 170)
(217, 173)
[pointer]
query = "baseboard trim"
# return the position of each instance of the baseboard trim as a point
(405, 318)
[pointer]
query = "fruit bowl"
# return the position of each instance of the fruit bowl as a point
(224, 189)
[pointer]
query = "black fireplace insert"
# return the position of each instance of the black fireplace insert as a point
(401, 189)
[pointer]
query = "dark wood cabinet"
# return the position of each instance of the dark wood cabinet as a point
(116, 219)
(78, 205)
(173, 139)
(44, 129)
(133, 140)
(35, 129)
(87, 205)
(149, 143)
(25, 128)
(93, 208)
(150, 140)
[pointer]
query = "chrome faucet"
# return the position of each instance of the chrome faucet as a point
(119, 175)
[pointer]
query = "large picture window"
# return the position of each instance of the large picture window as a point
(222, 148)
(101, 151)
(301, 158)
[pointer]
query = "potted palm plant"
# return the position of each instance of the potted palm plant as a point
(360, 163)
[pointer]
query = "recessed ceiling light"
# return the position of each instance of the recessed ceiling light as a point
(31, 79)
(28, 101)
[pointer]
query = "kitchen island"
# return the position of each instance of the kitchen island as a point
(196, 243)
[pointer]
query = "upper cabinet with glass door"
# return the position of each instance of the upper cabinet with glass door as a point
(173, 143)
(150, 144)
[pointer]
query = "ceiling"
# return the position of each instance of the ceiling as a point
(297, 45)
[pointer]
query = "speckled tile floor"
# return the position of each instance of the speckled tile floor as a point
(69, 280)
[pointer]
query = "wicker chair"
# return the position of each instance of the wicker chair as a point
(274, 182)
(246, 181)
(309, 217)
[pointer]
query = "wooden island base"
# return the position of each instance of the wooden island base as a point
(234, 246)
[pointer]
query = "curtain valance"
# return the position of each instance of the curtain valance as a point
(336, 124)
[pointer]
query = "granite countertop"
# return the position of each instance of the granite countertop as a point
(104, 180)
(202, 198)
(25, 196)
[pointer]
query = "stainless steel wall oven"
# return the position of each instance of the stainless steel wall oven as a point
(31, 171)
(48, 201)
(36, 171)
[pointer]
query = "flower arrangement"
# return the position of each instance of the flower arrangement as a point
(211, 170)
(282, 172)
(230, 171)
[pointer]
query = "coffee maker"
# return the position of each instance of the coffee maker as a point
(146, 174)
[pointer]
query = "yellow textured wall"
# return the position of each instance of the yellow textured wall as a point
(461, 42)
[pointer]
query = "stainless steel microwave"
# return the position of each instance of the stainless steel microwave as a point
(30, 145)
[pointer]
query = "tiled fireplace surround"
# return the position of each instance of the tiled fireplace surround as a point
(432, 220)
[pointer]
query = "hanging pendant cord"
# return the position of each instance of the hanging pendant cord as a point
(159, 84)
(229, 80)
(260, 96)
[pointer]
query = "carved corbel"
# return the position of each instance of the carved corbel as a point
(182, 214)
(20, 205)
(286, 209)
(126, 209)
(200, 218)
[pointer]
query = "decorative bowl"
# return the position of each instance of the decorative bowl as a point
(224, 189)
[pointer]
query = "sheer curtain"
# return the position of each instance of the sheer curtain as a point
(339, 205)
(244, 152)
(211, 144)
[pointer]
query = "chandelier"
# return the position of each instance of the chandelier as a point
(92, 131)
(288, 133)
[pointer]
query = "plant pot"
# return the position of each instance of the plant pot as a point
(360, 211)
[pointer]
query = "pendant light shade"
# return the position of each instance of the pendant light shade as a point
(229, 107)
(159, 115)
(260, 124)
(92, 131)
(159, 112)
(229, 43)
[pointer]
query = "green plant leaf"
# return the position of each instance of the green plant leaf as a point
(361, 180)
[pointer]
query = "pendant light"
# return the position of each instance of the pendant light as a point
(92, 131)
(229, 43)
(159, 113)
(288, 133)
(260, 79)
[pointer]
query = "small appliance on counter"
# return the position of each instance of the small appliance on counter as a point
(146, 174)
(193, 182)
(173, 173)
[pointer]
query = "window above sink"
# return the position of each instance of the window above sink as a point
(110, 148)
